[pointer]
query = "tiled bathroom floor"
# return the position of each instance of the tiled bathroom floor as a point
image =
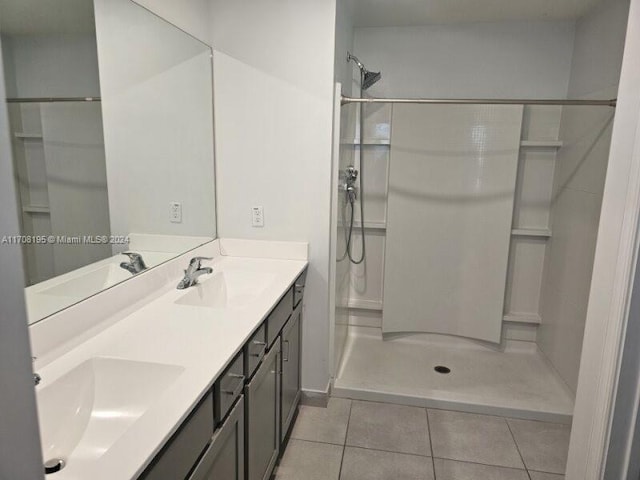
(355, 440)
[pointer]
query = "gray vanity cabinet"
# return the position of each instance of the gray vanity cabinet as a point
(291, 384)
(262, 396)
(248, 429)
(224, 458)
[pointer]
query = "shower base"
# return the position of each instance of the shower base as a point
(516, 381)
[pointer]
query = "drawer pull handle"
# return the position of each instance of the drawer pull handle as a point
(299, 289)
(260, 354)
(286, 357)
(236, 391)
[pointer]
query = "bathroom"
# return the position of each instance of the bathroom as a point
(183, 278)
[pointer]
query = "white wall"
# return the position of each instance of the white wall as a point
(273, 107)
(578, 186)
(20, 454)
(61, 65)
(158, 122)
(345, 32)
(481, 60)
(192, 16)
(599, 45)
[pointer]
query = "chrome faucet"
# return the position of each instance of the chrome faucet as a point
(36, 377)
(135, 264)
(193, 271)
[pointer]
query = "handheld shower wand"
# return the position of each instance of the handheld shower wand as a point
(367, 79)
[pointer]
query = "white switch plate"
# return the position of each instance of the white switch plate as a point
(257, 216)
(175, 212)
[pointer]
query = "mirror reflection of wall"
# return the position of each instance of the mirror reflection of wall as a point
(111, 114)
(58, 146)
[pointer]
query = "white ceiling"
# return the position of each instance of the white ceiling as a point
(381, 13)
(32, 17)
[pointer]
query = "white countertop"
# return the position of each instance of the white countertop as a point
(201, 340)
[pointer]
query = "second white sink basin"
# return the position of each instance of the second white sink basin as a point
(228, 289)
(83, 413)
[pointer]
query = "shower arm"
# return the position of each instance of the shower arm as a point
(355, 60)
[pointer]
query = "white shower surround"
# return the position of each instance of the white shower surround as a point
(452, 181)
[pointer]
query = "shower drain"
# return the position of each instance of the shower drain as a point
(442, 369)
(54, 465)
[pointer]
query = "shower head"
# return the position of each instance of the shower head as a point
(367, 77)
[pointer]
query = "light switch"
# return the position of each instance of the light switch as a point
(257, 216)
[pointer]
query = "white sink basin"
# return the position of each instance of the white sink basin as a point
(228, 289)
(83, 413)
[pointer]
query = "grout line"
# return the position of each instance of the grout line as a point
(317, 441)
(433, 463)
(515, 442)
(482, 464)
(344, 444)
(548, 473)
(389, 451)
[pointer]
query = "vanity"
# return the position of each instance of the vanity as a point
(200, 384)
(238, 428)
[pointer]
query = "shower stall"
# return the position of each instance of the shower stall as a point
(465, 249)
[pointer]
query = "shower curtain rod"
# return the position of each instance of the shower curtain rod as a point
(480, 101)
(53, 99)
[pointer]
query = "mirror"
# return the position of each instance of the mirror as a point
(111, 116)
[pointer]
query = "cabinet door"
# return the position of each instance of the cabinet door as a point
(224, 458)
(263, 419)
(182, 451)
(291, 388)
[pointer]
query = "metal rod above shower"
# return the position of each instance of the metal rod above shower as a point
(480, 101)
(53, 99)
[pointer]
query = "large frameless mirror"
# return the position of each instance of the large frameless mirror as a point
(111, 117)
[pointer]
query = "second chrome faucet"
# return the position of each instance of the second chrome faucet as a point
(193, 272)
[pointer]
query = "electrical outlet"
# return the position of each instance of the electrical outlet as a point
(175, 212)
(257, 216)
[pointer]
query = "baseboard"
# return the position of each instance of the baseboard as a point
(315, 398)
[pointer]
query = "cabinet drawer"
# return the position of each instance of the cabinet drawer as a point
(279, 316)
(182, 451)
(229, 387)
(298, 288)
(255, 350)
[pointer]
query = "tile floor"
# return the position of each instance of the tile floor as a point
(355, 440)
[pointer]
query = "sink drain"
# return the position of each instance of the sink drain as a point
(54, 465)
(442, 369)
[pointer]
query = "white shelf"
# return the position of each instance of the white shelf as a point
(36, 209)
(367, 141)
(541, 144)
(33, 136)
(522, 318)
(531, 232)
(372, 225)
(381, 226)
(375, 305)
